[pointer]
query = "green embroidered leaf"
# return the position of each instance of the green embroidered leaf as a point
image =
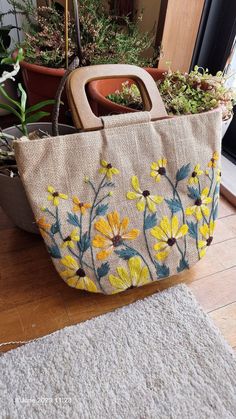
(183, 172)
(217, 188)
(192, 229)
(84, 242)
(174, 205)
(101, 209)
(215, 212)
(55, 228)
(103, 269)
(162, 270)
(183, 264)
(150, 221)
(54, 251)
(126, 253)
(73, 219)
(193, 193)
(109, 185)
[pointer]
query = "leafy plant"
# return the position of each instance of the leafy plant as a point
(129, 95)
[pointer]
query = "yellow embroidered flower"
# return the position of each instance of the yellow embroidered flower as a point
(167, 234)
(54, 196)
(43, 225)
(144, 197)
(80, 206)
(69, 240)
(75, 275)
(218, 176)
(212, 162)
(195, 175)
(114, 232)
(207, 232)
(137, 276)
(108, 170)
(158, 169)
(200, 206)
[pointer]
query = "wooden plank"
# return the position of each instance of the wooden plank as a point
(226, 208)
(225, 229)
(225, 320)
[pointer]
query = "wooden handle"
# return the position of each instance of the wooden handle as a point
(82, 114)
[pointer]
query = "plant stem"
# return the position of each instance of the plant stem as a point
(131, 248)
(145, 236)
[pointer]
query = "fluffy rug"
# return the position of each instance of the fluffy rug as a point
(157, 358)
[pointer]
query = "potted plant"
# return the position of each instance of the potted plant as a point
(13, 199)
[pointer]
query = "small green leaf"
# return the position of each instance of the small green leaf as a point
(10, 109)
(23, 97)
(36, 117)
(4, 93)
(40, 105)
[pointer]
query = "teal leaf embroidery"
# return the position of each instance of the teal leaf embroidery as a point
(193, 193)
(174, 205)
(162, 270)
(101, 209)
(103, 269)
(183, 172)
(150, 221)
(183, 264)
(192, 229)
(84, 242)
(109, 185)
(215, 212)
(55, 228)
(126, 254)
(54, 251)
(73, 219)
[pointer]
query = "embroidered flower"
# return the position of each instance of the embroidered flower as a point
(108, 170)
(43, 226)
(69, 240)
(75, 275)
(167, 234)
(158, 169)
(218, 176)
(80, 206)
(195, 175)
(55, 196)
(114, 232)
(212, 162)
(144, 197)
(137, 276)
(200, 206)
(207, 232)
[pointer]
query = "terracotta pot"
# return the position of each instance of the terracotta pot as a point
(13, 199)
(41, 84)
(97, 91)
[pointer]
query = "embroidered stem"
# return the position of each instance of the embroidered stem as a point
(145, 236)
(213, 201)
(197, 243)
(212, 179)
(139, 254)
(102, 199)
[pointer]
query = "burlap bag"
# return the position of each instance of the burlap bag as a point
(129, 204)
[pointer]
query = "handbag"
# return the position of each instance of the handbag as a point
(131, 198)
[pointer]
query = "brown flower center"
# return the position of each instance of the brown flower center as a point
(80, 272)
(198, 202)
(55, 194)
(194, 174)
(81, 204)
(116, 240)
(67, 239)
(209, 241)
(109, 166)
(213, 160)
(162, 171)
(171, 241)
(146, 193)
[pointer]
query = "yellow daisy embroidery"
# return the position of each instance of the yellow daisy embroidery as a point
(75, 276)
(218, 176)
(114, 232)
(69, 240)
(108, 170)
(143, 197)
(137, 276)
(195, 175)
(167, 234)
(158, 169)
(200, 206)
(213, 161)
(55, 196)
(207, 232)
(80, 206)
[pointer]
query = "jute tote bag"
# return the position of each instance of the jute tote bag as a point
(130, 200)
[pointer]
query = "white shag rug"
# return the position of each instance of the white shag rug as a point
(155, 359)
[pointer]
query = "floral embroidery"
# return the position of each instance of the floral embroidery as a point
(43, 226)
(158, 169)
(167, 234)
(75, 275)
(144, 197)
(207, 232)
(194, 179)
(69, 240)
(213, 161)
(80, 206)
(114, 232)
(137, 276)
(218, 176)
(55, 196)
(107, 169)
(200, 209)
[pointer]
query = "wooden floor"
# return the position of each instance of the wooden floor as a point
(35, 302)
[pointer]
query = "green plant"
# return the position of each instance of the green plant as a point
(129, 95)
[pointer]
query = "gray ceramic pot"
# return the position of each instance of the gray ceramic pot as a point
(13, 199)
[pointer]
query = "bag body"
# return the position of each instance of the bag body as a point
(129, 204)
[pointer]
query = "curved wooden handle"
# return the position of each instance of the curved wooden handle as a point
(82, 114)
